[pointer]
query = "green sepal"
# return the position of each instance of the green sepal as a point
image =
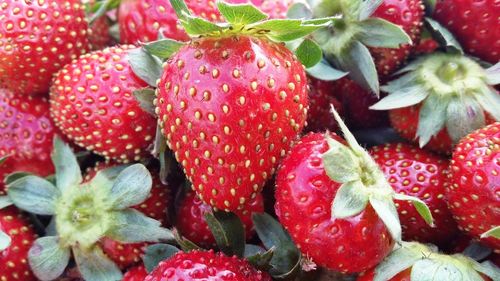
(367, 8)
(422, 208)
(145, 97)
(403, 97)
(324, 71)
(100, 8)
(299, 11)
(399, 260)
(197, 26)
(489, 269)
(477, 251)
(105, 178)
(341, 165)
(350, 200)
(240, 14)
(432, 118)
(154, 254)
(284, 30)
(430, 5)
(180, 8)
(494, 232)
(47, 258)
(443, 36)
(94, 265)
(10, 178)
(163, 48)
(379, 33)
(228, 232)
(185, 244)
(349, 137)
(4, 241)
(490, 101)
(434, 270)
(34, 194)
(67, 168)
(132, 226)
(131, 187)
(5, 202)
(493, 74)
(309, 53)
(258, 257)
(3, 159)
(387, 212)
(463, 116)
(145, 66)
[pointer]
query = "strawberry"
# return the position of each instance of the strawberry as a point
(37, 38)
(192, 225)
(20, 236)
(474, 23)
(321, 96)
(205, 265)
(137, 273)
(413, 261)
(440, 98)
(413, 171)
(99, 37)
(473, 190)
(92, 102)
(230, 106)
(26, 133)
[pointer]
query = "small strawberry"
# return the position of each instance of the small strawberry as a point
(137, 273)
(99, 37)
(321, 96)
(474, 185)
(26, 133)
(192, 225)
(475, 24)
(16, 238)
(426, 44)
(413, 261)
(205, 265)
(359, 229)
(416, 172)
(92, 102)
(231, 105)
(440, 98)
(37, 38)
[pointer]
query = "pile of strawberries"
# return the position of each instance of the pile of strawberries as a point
(197, 140)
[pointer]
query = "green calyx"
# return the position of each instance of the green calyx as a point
(426, 263)
(363, 183)
(5, 240)
(454, 91)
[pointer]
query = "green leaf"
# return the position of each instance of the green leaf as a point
(133, 226)
(34, 194)
(180, 8)
(101, 8)
(228, 232)
(145, 66)
(324, 71)
(299, 11)
(94, 265)
(131, 187)
(494, 232)
(252, 250)
(437, 270)
(403, 97)
(387, 212)
(145, 97)
(368, 7)
(4, 241)
(47, 258)
(350, 200)
(432, 118)
(185, 244)
(489, 100)
(154, 254)
(258, 257)
(358, 61)
(493, 74)
(341, 165)
(444, 37)
(197, 26)
(67, 169)
(398, 261)
(379, 33)
(3, 159)
(463, 116)
(348, 136)
(105, 178)
(288, 29)
(309, 53)
(5, 202)
(163, 48)
(422, 208)
(240, 14)
(15, 176)
(489, 269)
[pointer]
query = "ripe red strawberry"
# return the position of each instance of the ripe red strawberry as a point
(205, 265)
(26, 133)
(137, 273)
(321, 96)
(99, 37)
(192, 225)
(92, 102)
(473, 190)
(13, 259)
(37, 38)
(474, 23)
(416, 172)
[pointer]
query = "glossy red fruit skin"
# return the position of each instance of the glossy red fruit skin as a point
(231, 106)
(416, 172)
(137, 273)
(475, 24)
(92, 102)
(304, 194)
(402, 276)
(26, 134)
(192, 225)
(99, 37)
(473, 188)
(37, 38)
(408, 14)
(14, 260)
(425, 46)
(205, 265)
(321, 96)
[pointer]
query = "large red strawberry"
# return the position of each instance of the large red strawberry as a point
(321, 96)
(475, 24)
(416, 172)
(192, 225)
(92, 102)
(205, 265)
(473, 192)
(26, 133)
(20, 235)
(37, 38)
(231, 105)
(137, 273)
(440, 98)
